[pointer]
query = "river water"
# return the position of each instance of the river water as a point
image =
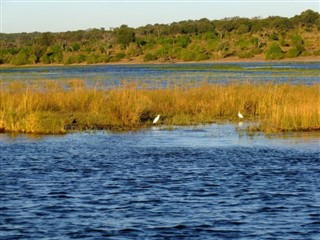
(162, 75)
(203, 182)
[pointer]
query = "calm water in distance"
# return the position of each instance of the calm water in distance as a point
(161, 75)
(204, 182)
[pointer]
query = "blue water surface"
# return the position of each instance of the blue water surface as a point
(204, 182)
(162, 75)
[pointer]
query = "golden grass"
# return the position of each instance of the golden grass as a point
(60, 106)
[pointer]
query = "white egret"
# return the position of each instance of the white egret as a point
(240, 115)
(156, 119)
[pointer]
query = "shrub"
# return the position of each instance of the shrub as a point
(293, 52)
(162, 52)
(96, 58)
(274, 52)
(305, 54)
(242, 44)
(149, 57)
(33, 58)
(117, 57)
(201, 57)
(120, 55)
(187, 55)
(57, 57)
(257, 51)
(45, 59)
(296, 40)
(183, 41)
(75, 47)
(20, 59)
(91, 59)
(274, 37)
(81, 58)
(316, 53)
(247, 54)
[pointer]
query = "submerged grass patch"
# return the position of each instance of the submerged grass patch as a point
(51, 107)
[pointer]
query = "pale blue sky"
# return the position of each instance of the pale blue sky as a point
(61, 15)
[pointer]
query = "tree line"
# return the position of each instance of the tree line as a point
(274, 37)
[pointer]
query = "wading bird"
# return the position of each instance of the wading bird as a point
(156, 119)
(240, 115)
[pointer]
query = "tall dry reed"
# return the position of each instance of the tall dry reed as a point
(56, 107)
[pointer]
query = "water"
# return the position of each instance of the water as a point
(204, 182)
(162, 75)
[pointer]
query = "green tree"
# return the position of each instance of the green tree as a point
(125, 35)
(46, 39)
(218, 38)
(307, 18)
(281, 24)
(205, 26)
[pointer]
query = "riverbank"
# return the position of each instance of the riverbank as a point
(139, 61)
(52, 107)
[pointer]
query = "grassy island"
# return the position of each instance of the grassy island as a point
(54, 107)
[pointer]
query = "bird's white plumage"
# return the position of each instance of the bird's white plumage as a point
(156, 119)
(240, 115)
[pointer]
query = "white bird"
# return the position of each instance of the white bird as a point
(156, 119)
(240, 115)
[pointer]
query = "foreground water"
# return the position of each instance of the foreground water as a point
(205, 182)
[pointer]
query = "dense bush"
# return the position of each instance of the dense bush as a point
(192, 40)
(20, 59)
(293, 52)
(274, 52)
(149, 57)
(187, 55)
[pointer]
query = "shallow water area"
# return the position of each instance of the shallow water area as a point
(201, 182)
(163, 75)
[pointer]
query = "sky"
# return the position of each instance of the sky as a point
(69, 15)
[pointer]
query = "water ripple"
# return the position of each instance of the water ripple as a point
(136, 186)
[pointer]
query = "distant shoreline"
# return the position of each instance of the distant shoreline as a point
(137, 61)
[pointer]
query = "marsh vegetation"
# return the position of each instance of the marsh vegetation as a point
(62, 106)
